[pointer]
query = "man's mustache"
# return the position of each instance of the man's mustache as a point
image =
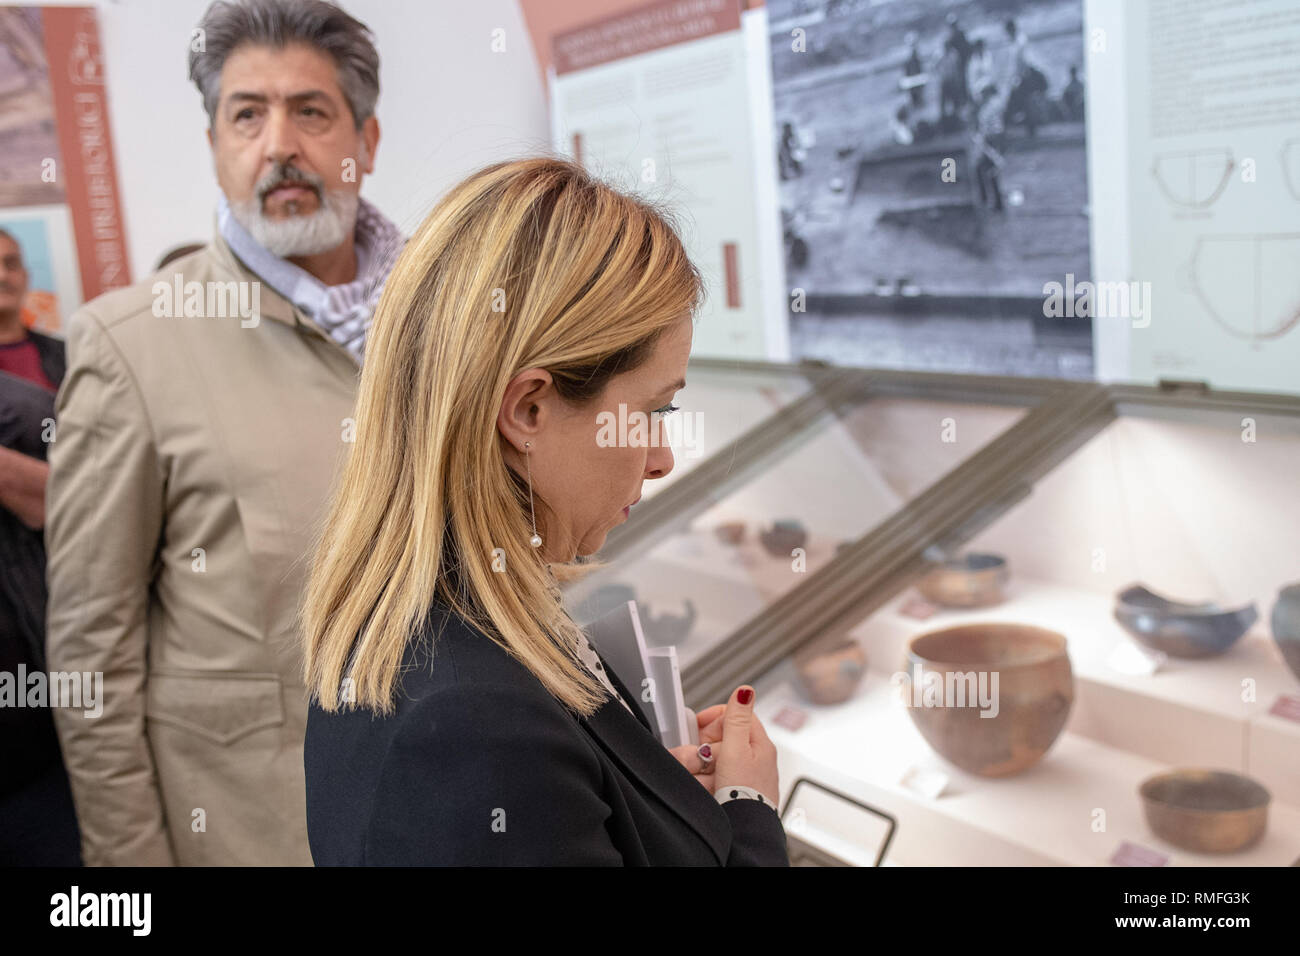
(289, 174)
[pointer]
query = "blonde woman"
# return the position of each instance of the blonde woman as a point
(458, 714)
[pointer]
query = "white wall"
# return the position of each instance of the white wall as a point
(447, 105)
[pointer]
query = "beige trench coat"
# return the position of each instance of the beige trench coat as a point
(192, 463)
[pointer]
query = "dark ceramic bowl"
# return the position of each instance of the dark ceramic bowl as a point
(783, 537)
(1286, 626)
(1035, 691)
(974, 580)
(1206, 811)
(668, 629)
(660, 630)
(1179, 629)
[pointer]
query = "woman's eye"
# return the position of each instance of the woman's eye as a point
(666, 410)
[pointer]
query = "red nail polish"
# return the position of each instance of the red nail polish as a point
(706, 751)
(745, 696)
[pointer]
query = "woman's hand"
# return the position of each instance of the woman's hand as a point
(689, 757)
(709, 722)
(742, 753)
(745, 756)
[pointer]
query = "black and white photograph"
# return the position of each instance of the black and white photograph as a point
(933, 178)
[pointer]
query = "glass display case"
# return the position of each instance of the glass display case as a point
(711, 558)
(1081, 646)
(723, 402)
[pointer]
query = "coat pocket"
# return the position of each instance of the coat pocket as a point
(221, 709)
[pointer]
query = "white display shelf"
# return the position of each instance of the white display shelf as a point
(1189, 713)
(1043, 816)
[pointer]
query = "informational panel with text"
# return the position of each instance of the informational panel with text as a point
(668, 100)
(1214, 214)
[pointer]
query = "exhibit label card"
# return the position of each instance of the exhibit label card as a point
(1287, 707)
(1130, 854)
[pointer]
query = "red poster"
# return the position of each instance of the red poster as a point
(88, 174)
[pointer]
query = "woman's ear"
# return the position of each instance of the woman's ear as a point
(524, 407)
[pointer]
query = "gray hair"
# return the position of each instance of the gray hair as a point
(227, 26)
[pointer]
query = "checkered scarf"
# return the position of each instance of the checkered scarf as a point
(343, 311)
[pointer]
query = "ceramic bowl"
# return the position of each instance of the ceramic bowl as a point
(831, 676)
(1179, 629)
(783, 537)
(731, 532)
(1029, 702)
(660, 630)
(1206, 811)
(974, 580)
(665, 629)
(1286, 626)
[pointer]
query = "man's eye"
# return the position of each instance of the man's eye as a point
(311, 111)
(244, 114)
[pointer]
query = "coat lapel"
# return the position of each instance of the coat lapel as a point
(629, 742)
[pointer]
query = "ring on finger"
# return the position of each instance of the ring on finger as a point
(706, 757)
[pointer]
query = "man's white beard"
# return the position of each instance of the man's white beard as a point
(297, 235)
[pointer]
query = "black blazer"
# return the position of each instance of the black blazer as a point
(479, 765)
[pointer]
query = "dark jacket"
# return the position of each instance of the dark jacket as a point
(28, 745)
(54, 356)
(479, 765)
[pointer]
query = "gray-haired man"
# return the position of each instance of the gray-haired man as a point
(199, 425)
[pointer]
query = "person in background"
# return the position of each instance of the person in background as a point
(912, 67)
(177, 252)
(986, 148)
(956, 55)
(194, 456)
(789, 152)
(1072, 101)
(981, 71)
(38, 826)
(1023, 84)
(24, 352)
(1017, 49)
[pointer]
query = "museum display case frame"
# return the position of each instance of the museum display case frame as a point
(880, 567)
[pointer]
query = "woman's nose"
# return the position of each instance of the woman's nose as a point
(659, 461)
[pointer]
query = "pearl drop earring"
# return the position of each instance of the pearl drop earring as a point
(536, 539)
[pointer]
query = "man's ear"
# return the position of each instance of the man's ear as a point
(209, 135)
(523, 413)
(370, 136)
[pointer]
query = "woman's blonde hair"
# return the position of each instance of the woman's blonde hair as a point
(525, 264)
